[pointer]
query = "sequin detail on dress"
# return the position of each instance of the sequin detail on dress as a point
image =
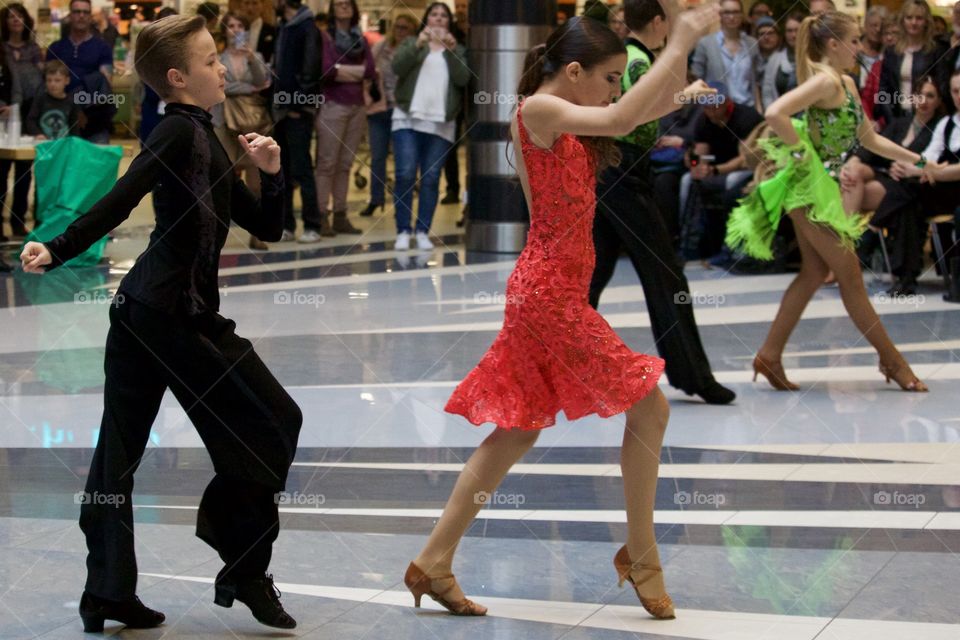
(554, 351)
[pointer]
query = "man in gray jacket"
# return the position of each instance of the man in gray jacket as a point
(729, 56)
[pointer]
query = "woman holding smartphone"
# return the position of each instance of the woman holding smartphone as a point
(432, 74)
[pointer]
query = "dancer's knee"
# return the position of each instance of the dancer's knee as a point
(652, 411)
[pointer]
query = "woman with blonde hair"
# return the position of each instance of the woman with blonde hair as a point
(917, 54)
(809, 154)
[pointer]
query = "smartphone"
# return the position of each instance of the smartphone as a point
(240, 39)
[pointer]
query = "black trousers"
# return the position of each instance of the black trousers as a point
(294, 136)
(247, 421)
(628, 218)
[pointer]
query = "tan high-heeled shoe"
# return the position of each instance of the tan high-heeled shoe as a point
(890, 371)
(660, 608)
(774, 373)
(420, 583)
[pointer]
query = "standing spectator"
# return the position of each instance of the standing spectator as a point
(25, 61)
(451, 168)
(916, 54)
(380, 112)
(296, 63)
(758, 11)
(718, 132)
(729, 56)
(262, 35)
(244, 110)
(431, 73)
(53, 114)
(107, 26)
(347, 64)
(90, 61)
(871, 45)
(768, 43)
(780, 74)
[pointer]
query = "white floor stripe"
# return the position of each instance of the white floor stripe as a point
(690, 623)
(880, 519)
(877, 473)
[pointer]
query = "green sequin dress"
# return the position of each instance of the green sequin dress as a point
(811, 181)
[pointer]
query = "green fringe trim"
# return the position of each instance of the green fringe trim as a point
(797, 183)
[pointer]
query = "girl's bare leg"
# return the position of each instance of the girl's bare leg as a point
(483, 472)
(813, 270)
(639, 464)
(846, 266)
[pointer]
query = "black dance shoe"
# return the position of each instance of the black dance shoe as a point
(260, 595)
(133, 613)
(715, 393)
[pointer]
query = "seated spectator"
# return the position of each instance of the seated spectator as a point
(872, 183)
(729, 56)
(718, 173)
(87, 56)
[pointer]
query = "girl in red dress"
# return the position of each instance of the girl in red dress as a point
(555, 351)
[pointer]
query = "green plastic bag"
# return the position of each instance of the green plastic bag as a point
(71, 175)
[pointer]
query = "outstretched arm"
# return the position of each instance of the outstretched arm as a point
(653, 96)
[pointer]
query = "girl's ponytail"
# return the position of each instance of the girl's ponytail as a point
(535, 69)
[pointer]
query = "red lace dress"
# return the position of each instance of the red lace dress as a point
(554, 351)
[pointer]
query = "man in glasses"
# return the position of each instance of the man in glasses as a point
(90, 62)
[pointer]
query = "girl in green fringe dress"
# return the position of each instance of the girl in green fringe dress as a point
(809, 154)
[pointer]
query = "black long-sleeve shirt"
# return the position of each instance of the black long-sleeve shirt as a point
(196, 195)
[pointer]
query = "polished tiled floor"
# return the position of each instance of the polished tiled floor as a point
(832, 513)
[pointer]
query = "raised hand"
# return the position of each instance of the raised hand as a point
(691, 25)
(263, 151)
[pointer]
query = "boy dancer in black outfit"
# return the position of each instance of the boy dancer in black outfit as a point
(628, 216)
(165, 332)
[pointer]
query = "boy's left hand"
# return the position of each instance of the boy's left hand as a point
(263, 151)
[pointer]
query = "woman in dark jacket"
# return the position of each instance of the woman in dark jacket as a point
(917, 54)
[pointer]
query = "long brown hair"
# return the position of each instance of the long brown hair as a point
(582, 40)
(812, 38)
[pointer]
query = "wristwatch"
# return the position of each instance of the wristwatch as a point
(921, 163)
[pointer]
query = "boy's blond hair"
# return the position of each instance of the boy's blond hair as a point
(52, 67)
(161, 46)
